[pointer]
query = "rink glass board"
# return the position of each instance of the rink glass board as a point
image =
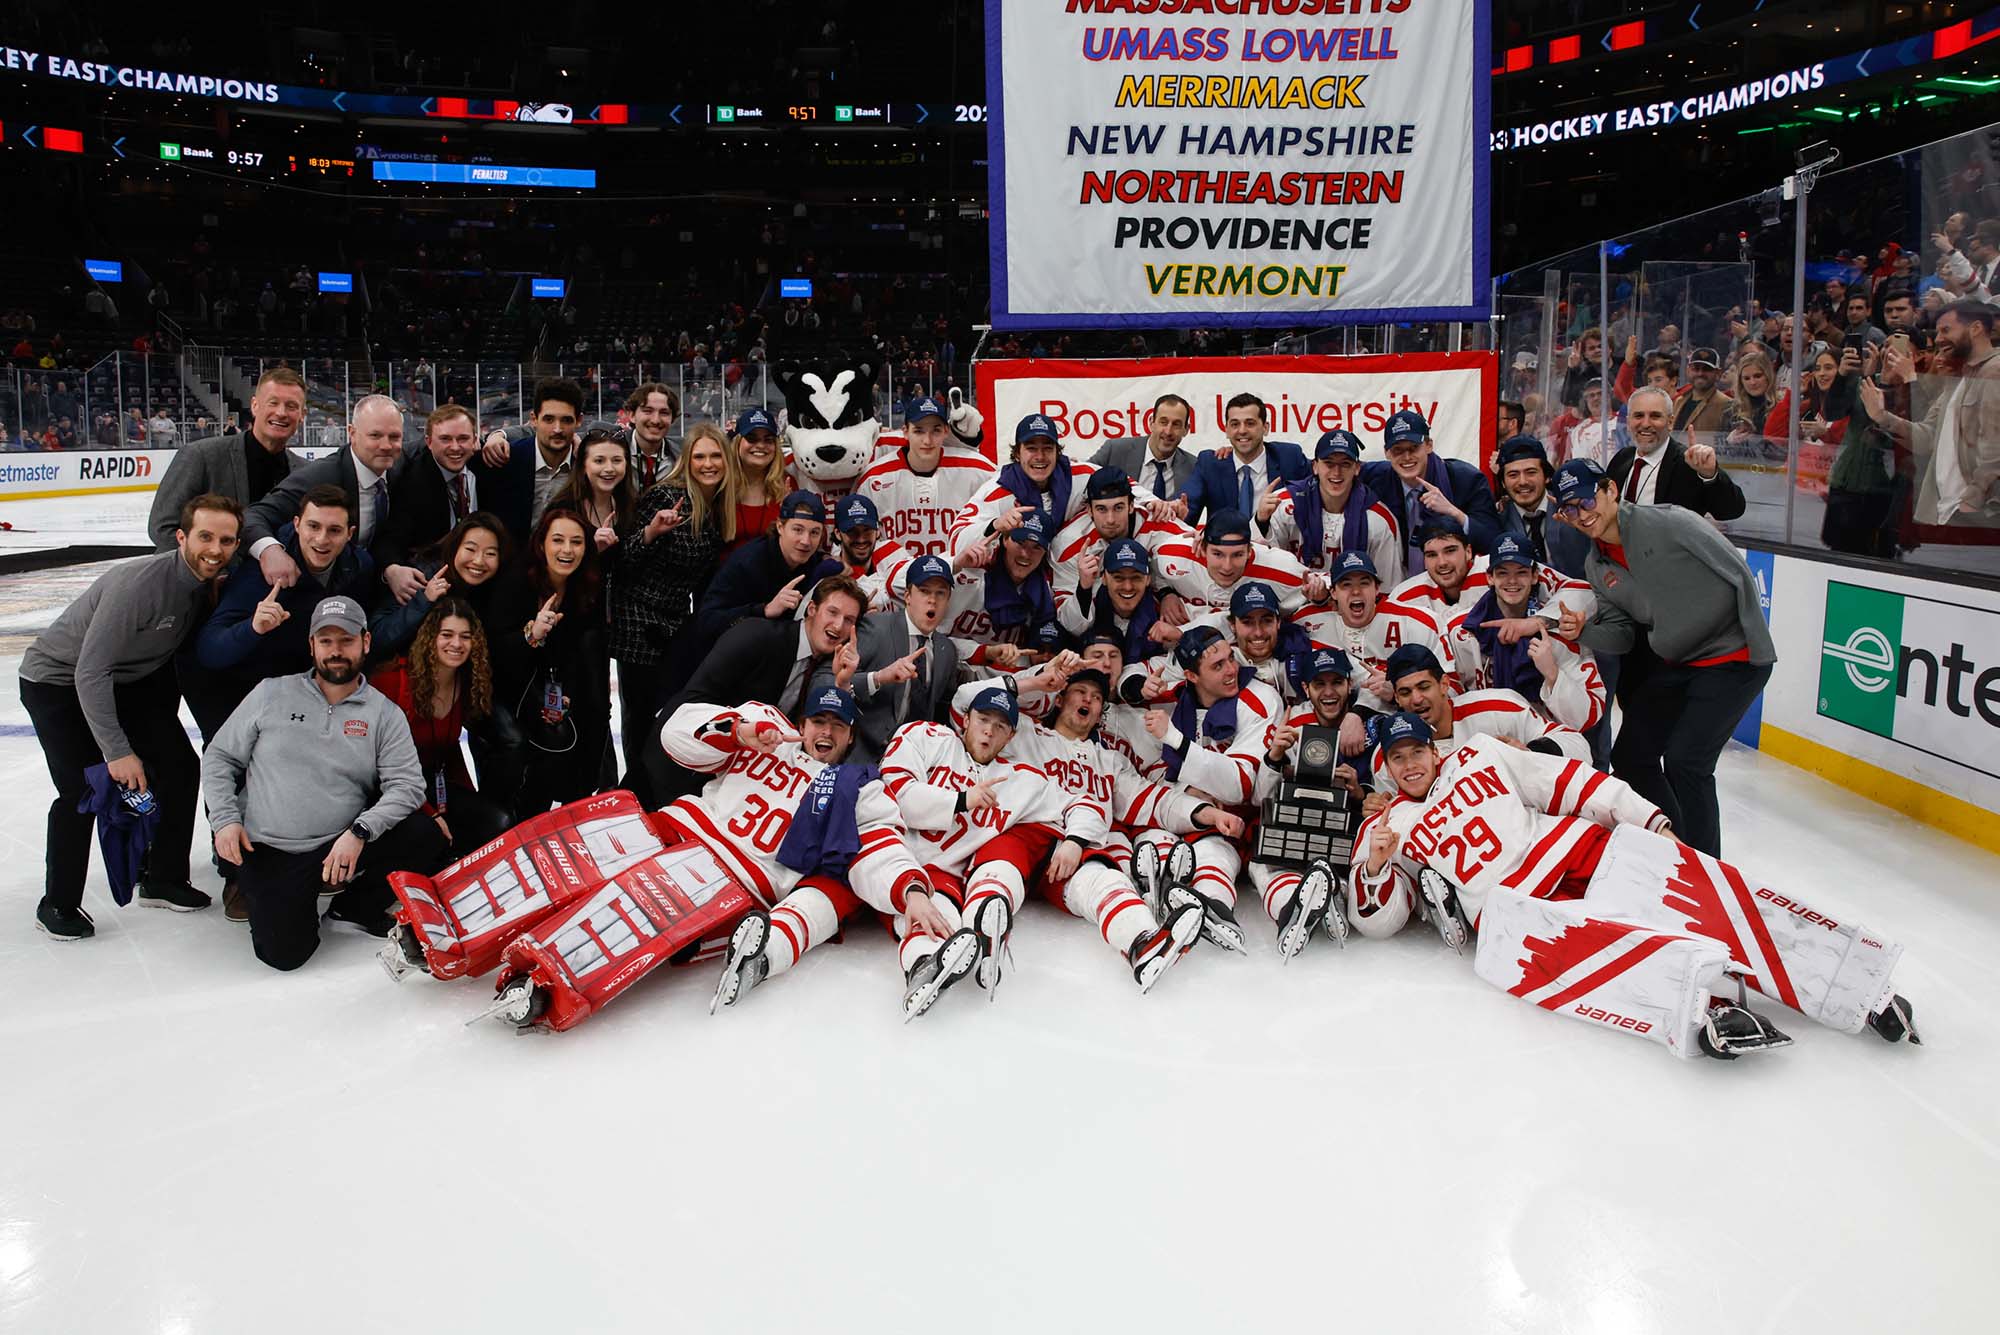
(1921, 672)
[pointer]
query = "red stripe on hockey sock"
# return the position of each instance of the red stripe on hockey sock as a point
(1279, 885)
(1124, 902)
(791, 938)
(1630, 959)
(1762, 931)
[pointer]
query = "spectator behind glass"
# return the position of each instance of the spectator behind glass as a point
(757, 475)
(1751, 406)
(680, 527)
(444, 685)
(551, 664)
(1828, 402)
(463, 565)
(1957, 441)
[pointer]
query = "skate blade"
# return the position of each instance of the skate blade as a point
(393, 962)
(512, 1005)
(1224, 936)
(955, 959)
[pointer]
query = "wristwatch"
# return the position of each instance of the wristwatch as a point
(360, 831)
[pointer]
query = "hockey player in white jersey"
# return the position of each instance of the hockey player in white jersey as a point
(1585, 904)
(1205, 573)
(1077, 553)
(1359, 622)
(1263, 641)
(1040, 479)
(1121, 600)
(1454, 578)
(1323, 678)
(763, 769)
(869, 559)
(1317, 519)
(920, 488)
(1455, 718)
(1505, 641)
(1002, 612)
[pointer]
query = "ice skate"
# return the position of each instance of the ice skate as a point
(1440, 900)
(1729, 1030)
(993, 922)
(401, 955)
(1218, 924)
(931, 975)
(1894, 1019)
(1149, 873)
(746, 965)
(519, 1002)
(1306, 911)
(1153, 954)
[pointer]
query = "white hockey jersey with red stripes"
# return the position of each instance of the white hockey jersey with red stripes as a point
(1226, 770)
(743, 813)
(917, 509)
(1385, 549)
(1177, 566)
(988, 505)
(926, 767)
(882, 578)
(1080, 537)
(1498, 817)
(1575, 699)
(1368, 647)
(1495, 713)
(1422, 592)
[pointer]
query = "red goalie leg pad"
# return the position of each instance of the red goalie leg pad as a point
(465, 916)
(667, 906)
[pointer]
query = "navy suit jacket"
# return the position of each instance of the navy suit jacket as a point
(508, 492)
(1466, 485)
(1214, 485)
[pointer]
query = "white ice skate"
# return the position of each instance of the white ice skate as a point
(1153, 954)
(993, 921)
(931, 975)
(746, 965)
(1440, 900)
(1307, 910)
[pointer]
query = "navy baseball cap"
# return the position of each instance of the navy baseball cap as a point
(1411, 658)
(1524, 447)
(1033, 425)
(1338, 444)
(1194, 642)
(755, 419)
(1253, 596)
(1127, 554)
(998, 700)
(1107, 484)
(1226, 526)
(925, 405)
(834, 701)
(1511, 550)
(1440, 526)
(1577, 482)
(1404, 727)
(925, 569)
(1033, 529)
(1355, 563)
(1404, 428)
(1318, 662)
(856, 512)
(803, 505)
(1103, 635)
(1090, 677)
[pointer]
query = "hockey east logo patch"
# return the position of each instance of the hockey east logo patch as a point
(355, 727)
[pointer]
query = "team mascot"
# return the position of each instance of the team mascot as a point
(831, 429)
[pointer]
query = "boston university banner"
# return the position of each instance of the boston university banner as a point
(1237, 162)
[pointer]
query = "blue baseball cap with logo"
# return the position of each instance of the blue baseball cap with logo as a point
(1411, 658)
(1107, 484)
(927, 568)
(1403, 727)
(1577, 482)
(1035, 425)
(1226, 526)
(1524, 447)
(803, 505)
(1511, 550)
(1405, 427)
(856, 512)
(1127, 554)
(925, 405)
(1318, 662)
(1338, 444)
(1251, 597)
(1440, 526)
(1033, 529)
(832, 700)
(1355, 563)
(1193, 643)
(998, 700)
(755, 419)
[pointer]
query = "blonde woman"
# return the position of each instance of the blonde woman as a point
(757, 468)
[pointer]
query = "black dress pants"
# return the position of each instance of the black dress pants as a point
(283, 889)
(1676, 724)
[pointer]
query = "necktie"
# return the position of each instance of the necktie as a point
(1638, 468)
(795, 685)
(381, 505)
(459, 505)
(1414, 500)
(1246, 491)
(1535, 534)
(1160, 481)
(918, 688)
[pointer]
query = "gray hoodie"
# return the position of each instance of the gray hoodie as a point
(308, 769)
(1687, 584)
(126, 625)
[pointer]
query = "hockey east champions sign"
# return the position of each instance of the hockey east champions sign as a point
(1218, 162)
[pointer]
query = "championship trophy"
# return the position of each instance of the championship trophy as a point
(1311, 817)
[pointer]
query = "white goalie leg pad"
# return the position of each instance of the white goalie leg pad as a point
(1558, 955)
(1105, 895)
(1827, 970)
(1276, 885)
(803, 919)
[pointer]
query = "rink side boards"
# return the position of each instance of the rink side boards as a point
(35, 475)
(1888, 686)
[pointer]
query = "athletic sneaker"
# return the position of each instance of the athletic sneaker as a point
(182, 898)
(235, 904)
(63, 924)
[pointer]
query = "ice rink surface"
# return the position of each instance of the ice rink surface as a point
(1371, 1139)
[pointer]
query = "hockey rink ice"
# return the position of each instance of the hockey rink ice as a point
(1367, 1140)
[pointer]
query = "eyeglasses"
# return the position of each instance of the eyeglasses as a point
(1570, 509)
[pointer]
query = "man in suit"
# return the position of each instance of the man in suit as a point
(431, 493)
(768, 659)
(908, 667)
(1415, 483)
(768, 577)
(1156, 460)
(363, 468)
(1527, 508)
(1236, 478)
(1655, 469)
(242, 465)
(522, 467)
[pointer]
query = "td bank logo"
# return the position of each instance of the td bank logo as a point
(1858, 657)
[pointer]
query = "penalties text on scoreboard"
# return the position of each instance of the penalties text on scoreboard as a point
(1170, 162)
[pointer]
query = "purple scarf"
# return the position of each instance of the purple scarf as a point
(1310, 512)
(1028, 604)
(1508, 664)
(825, 836)
(1138, 642)
(1219, 726)
(1027, 493)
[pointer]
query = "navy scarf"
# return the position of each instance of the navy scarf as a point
(1219, 726)
(1027, 493)
(1138, 633)
(825, 837)
(1292, 641)
(1310, 512)
(1028, 604)
(1509, 664)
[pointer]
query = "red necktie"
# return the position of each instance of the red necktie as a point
(1638, 467)
(458, 501)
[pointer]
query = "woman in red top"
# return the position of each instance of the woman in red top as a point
(442, 687)
(757, 474)
(1828, 405)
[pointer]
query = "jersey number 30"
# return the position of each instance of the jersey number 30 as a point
(761, 823)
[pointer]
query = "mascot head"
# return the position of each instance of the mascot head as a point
(830, 421)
